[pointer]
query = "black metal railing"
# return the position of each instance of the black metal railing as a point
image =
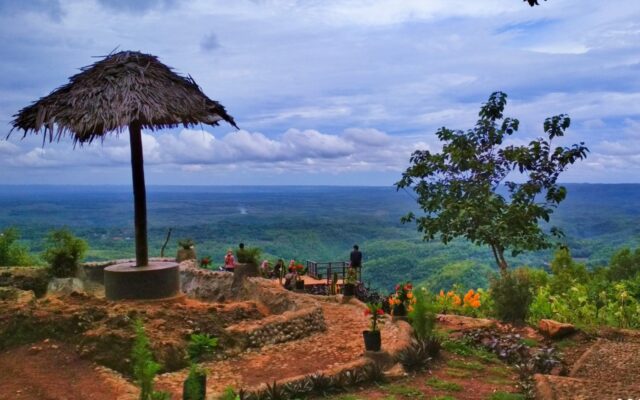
(326, 270)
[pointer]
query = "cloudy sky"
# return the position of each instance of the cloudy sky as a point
(330, 91)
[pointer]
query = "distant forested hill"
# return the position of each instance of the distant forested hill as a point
(317, 223)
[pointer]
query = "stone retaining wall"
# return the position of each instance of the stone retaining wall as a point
(289, 326)
(294, 315)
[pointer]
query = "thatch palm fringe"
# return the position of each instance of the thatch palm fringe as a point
(111, 94)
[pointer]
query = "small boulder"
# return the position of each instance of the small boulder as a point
(554, 329)
(65, 286)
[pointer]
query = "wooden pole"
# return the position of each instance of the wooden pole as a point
(139, 195)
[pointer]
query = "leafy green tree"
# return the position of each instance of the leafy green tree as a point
(625, 264)
(566, 272)
(466, 190)
(63, 252)
(12, 253)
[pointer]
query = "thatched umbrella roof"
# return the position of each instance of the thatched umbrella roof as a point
(111, 94)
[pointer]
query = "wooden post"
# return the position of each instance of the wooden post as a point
(139, 195)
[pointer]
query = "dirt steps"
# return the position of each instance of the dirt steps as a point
(341, 344)
(608, 369)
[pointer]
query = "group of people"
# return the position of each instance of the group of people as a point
(289, 274)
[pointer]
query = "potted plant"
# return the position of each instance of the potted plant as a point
(205, 262)
(350, 280)
(402, 300)
(186, 250)
(372, 339)
(247, 262)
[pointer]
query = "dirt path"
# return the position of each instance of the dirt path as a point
(52, 371)
(340, 344)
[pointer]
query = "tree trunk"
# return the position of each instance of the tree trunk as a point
(498, 254)
(503, 262)
(139, 195)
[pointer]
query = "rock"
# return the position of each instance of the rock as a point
(382, 358)
(395, 372)
(58, 286)
(554, 329)
(16, 295)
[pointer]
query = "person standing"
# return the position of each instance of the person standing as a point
(356, 257)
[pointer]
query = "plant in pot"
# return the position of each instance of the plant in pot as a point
(350, 281)
(186, 250)
(199, 349)
(247, 261)
(372, 339)
(402, 300)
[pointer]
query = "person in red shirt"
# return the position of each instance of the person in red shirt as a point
(229, 261)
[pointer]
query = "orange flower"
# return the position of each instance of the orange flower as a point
(441, 293)
(456, 300)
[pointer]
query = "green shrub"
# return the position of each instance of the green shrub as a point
(249, 255)
(192, 389)
(229, 394)
(566, 272)
(144, 367)
(423, 315)
(512, 296)
(200, 346)
(186, 244)
(64, 252)
(12, 253)
(624, 264)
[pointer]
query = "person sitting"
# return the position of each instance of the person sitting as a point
(229, 261)
(265, 269)
(290, 279)
(278, 269)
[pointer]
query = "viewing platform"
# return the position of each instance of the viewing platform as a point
(321, 273)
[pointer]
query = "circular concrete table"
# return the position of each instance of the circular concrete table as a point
(158, 280)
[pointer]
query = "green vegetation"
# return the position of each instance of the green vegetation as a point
(439, 384)
(186, 244)
(229, 394)
(200, 346)
(457, 373)
(461, 189)
(144, 367)
(467, 349)
(249, 255)
(468, 365)
(64, 252)
(404, 391)
(602, 296)
(507, 396)
(12, 252)
(423, 315)
(511, 294)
